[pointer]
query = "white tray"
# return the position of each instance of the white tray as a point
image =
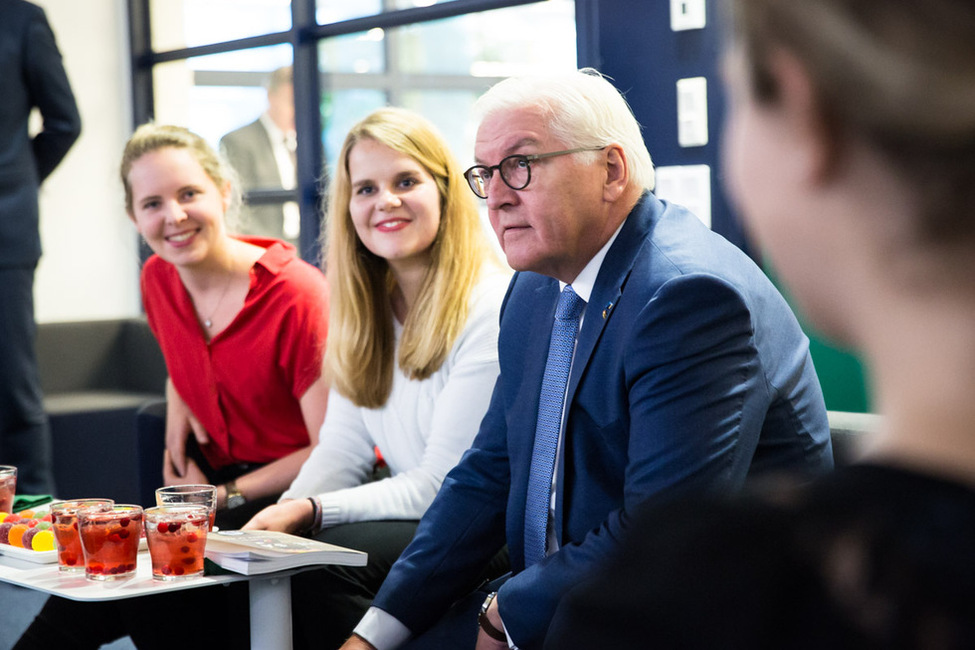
(42, 557)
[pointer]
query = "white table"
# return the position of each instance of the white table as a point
(270, 594)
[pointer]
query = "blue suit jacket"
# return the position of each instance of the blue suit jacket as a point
(690, 373)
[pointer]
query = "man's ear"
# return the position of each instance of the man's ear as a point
(818, 145)
(617, 173)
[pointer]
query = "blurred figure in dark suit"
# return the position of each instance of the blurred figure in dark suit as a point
(31, 76)
(263, 155)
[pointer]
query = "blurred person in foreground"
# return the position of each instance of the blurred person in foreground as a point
(31, 76)
(850, 150)
(688, 372)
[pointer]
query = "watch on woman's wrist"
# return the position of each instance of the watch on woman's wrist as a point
(234, 498)
(485, 623)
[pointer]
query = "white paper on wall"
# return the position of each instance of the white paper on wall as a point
(686, 185)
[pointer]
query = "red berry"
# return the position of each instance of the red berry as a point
(184, 549)
(123, 522)
(123, 534)
(162, 528)
(173, 527)
(191, 538)
(166, 570)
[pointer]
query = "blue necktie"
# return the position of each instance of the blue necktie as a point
(550, 402)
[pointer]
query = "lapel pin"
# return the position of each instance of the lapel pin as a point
(608, 308)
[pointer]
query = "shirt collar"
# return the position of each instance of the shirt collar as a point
(586, 280)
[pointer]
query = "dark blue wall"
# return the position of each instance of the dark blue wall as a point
(631, 41)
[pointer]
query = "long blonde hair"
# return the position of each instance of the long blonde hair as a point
(361, 343)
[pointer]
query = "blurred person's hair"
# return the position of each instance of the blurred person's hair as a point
(898, 75)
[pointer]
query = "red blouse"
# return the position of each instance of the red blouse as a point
(244, 386)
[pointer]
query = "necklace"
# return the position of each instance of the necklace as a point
(208, 321)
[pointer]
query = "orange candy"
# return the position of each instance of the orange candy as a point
(17, 535)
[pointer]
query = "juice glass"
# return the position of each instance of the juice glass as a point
(8, 487)
(64, 519)
(110, 540)
(177, 538)
(198, 494)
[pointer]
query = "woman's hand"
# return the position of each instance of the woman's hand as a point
(293, 516)
(179, 423)
(192, 475)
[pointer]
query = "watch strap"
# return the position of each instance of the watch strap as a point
(234, 498)
(485, 622)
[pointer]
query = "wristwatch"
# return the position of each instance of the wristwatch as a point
(234, 498)
(486, 625)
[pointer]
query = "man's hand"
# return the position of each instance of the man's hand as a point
(356, 642)
(484, 641)
(292, 516)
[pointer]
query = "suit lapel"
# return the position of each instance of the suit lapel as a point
(609, 286)
(606, 294)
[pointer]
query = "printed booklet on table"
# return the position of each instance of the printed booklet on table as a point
(253, 552)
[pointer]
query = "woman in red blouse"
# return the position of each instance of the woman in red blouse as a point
(241, 322)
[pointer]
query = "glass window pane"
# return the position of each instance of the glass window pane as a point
(215, 102)
(334, 11)
(214, 94)
(186, 23)
(353, 53)
(340, 110)
(499, 43)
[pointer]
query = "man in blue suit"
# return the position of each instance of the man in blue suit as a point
(31, 76)
(688, 372)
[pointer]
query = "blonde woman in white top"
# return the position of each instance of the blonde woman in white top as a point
(412, 359)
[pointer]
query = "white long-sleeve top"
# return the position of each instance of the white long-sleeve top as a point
(422, 430)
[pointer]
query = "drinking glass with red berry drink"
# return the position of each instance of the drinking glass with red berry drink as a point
(198, 494)
(8, 487)
(64, 520)
(110, 540)
(177, 540)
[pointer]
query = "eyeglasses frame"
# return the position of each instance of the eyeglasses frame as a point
(529, 159)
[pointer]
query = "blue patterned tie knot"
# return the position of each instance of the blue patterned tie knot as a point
(550, 405)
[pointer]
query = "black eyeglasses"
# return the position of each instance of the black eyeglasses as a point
(516, 170)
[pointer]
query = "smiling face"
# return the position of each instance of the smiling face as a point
(177, 207)
(558, 222)
(395, 204)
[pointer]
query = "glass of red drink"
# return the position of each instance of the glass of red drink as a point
(8, 487)
(177, 538)
(110, 540)
(64, 520)
(198, 494)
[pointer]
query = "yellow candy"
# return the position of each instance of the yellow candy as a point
(3, 515)
(43, 541)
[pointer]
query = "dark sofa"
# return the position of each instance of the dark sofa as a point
(96, 375)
